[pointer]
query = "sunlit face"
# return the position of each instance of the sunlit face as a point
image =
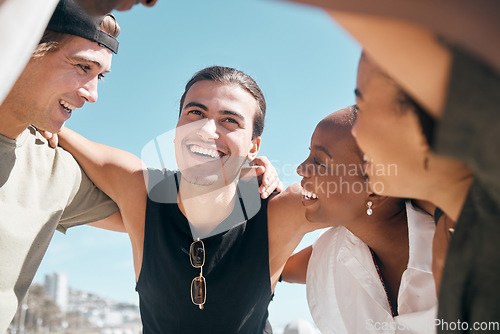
(214, 133)
(335, 189)
(391, 139)
(54, 85)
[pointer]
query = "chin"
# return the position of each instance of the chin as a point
(311, 216)
(49, 128)
(377, 185)
(200, 180)
(124, 6)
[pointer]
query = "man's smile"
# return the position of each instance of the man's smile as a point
(67, 106)
(205, 151)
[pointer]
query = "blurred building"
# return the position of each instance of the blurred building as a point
(56, 308)
(56, 287)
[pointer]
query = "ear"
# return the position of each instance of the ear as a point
(254, 149)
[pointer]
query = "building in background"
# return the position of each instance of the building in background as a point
(56, 308)
(57, 289)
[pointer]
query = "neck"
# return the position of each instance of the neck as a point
(451, 181)
(206, 207)
(10, 126)
(386, 233)
(425, 206)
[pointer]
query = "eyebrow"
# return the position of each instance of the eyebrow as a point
(358, 94)
(224, 112)
(196, 104)
(322, 149)
(95, 62)
(233, 113)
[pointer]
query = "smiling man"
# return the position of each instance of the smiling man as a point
(19, 43)
(208, 252)
(44, 189)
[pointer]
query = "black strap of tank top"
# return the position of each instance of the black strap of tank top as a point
(242, 205)
(176, 181)
(437, 214)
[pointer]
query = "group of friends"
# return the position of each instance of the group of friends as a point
(415, 252)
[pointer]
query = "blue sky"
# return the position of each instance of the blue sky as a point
(304, 63)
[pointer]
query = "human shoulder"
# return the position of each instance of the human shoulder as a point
(162, 184)
(330, 238)
(291, 195)
(33, 148)
(287, 205)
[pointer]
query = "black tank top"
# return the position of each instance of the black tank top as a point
(236, 270)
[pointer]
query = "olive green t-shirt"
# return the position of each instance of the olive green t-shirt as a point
(41, 190)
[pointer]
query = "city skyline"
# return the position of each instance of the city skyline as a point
(57, 306)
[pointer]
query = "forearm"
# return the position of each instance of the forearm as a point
(409, 53)
(111, 169)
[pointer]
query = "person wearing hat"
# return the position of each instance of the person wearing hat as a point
(17, 47)
(43, 189)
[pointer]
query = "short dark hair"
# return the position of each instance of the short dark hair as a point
(228, 75)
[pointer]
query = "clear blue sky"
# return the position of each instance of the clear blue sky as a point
(304, 63)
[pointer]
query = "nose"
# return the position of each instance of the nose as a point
(149, 3)
(89, 91)
(304, 169)
(208, 129)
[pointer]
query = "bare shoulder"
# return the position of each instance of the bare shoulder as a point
(286, 200)
(286, 207)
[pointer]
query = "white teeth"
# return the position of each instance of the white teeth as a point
(308, 194)
(366, 158)
(204, 151)
(69, 107)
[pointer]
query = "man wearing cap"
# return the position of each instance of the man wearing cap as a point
(19, 37)
(44, 189)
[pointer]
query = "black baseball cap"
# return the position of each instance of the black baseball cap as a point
(70, 18)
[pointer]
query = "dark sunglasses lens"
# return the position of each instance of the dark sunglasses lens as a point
(198, 290)
(197, 253)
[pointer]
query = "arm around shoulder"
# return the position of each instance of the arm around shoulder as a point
(116, 172)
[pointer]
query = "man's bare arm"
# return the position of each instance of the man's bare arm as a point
(287, 226)
(114, 171)
(112, 223)
(121, 176)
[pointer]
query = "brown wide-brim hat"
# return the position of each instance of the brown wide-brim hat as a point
(472, 25)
